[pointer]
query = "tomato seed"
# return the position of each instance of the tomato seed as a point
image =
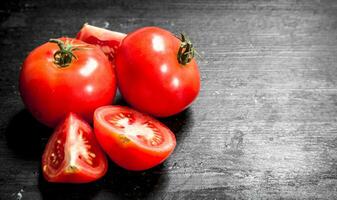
(89, 161)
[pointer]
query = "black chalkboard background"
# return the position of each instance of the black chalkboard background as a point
(264, 125)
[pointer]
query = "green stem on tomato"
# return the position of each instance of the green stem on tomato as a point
(64, 56)
(186, 50)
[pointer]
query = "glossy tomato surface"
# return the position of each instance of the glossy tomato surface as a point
(132, 140)
(108, 41)
(50, 91)
(150, 76)
(72, 154)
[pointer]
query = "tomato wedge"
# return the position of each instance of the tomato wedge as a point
(108, 41)
(132, 140)
(72, 154)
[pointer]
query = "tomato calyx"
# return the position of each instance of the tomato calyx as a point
(186, 50)
(64, 55)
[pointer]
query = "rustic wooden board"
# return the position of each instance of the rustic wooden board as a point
(264, 125)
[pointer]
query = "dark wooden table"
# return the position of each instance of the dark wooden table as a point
(264, 125)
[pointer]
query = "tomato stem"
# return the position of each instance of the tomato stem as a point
(186, 50)
(63, 57)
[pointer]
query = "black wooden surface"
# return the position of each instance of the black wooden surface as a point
(264, 125)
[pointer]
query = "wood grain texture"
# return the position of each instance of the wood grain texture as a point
(264, 125)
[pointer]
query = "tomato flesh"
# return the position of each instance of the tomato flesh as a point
(133, 140)
(72, 154)
(108, 41)
(144, 131)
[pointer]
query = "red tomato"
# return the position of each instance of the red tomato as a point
(76, 80)
(132, 140)
(156, 71)
(108, 41)
(72, 154)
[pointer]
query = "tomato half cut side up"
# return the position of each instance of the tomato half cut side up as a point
(72, 154)
(108, 41)
(132, 140)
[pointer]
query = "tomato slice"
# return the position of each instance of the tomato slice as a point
(72, 154)
(108, 41)
(133, 140)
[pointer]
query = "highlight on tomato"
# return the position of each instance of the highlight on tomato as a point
(132, 140)
(157, 72)
(66, 75)
(72, 154)
(108, 41)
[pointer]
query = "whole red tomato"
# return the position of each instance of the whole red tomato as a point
(156, 71)
(66, 75)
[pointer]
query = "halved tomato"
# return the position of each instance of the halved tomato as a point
(133, 140)
(108, 41)
(72, 154)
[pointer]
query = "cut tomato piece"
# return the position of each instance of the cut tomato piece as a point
(133, 140)
(72, 154)
(108, 41)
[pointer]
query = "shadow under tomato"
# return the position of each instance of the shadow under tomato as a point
(179, 124)
(126, 184)
(118, 183)
(64, 191)
(26, 136)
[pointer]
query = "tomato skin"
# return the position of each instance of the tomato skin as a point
(108, 41)
(50, 92)
(125, 151)
(70, 168)
(149, 75)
